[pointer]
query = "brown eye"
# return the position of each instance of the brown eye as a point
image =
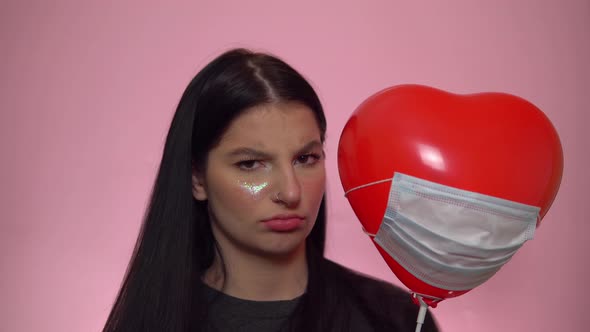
(308, 159)
(248, 165)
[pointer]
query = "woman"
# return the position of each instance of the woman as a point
(233, 238)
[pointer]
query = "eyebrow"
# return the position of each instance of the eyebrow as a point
(257, 154)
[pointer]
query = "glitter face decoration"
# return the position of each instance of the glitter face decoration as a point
(256, 190)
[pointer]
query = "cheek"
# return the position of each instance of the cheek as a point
(315, 188)
(253, 190)
(236, 199)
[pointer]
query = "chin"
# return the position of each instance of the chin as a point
(284, 247)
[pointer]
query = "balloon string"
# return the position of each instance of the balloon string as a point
(366, 185)
(434, 299)
(421, 313)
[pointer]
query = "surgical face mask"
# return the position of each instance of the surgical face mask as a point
(451, 238)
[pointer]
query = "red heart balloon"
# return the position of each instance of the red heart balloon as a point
(491, 143)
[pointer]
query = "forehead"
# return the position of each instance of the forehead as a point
(272, 126)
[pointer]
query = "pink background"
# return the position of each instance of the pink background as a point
(88, 90)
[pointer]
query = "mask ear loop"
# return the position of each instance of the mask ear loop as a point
(364, 186)
(369, 234)
(420, 297)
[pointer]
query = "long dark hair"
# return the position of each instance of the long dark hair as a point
(175, 244)
(161, 290)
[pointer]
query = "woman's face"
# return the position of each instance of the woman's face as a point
(265, 180)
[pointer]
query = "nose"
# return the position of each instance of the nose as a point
(288, 190)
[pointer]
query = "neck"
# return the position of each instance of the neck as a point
(258, 277)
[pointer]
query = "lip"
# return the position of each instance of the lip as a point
(284, 222)
(284, 217)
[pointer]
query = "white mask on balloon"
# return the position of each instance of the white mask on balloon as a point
(451, 238)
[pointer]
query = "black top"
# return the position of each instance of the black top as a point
(228, 313)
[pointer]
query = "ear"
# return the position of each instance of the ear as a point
(199, 189)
